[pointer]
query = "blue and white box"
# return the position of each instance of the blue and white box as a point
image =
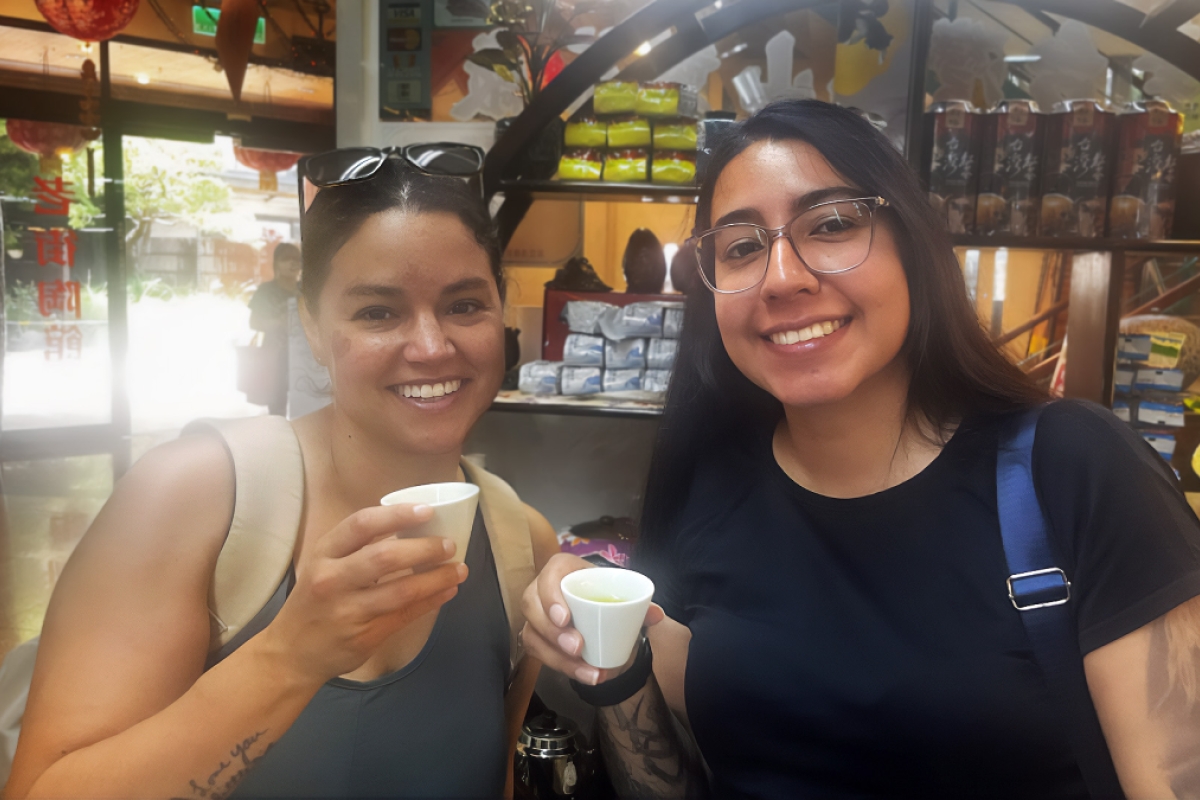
(583, 316)
(633, 320)
(661, 353)
(580, 350)
(1167, 380)
(656, 380)
(1133, 347)
(672, 321)
(625, 354)
(540, 377)
(622, 380)
(581, 380)
(1122, 411)
(1157, 413)
(1164, 443)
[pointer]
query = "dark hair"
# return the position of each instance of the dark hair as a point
(284, 250)
(956, 371)
(339, 211)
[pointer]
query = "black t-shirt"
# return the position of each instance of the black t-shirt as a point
(867, 647)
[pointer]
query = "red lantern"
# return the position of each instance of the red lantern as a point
(47, 140)
(267, 162)
(89, 20)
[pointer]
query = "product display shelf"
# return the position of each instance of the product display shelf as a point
(578, 406)
(601, 190)
(1079, 244)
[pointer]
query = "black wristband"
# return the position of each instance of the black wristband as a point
(622, 687)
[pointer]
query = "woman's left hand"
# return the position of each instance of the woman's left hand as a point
(548, 634)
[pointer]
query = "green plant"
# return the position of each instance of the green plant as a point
(533, 31)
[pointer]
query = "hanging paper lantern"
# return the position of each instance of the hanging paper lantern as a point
(88, 20)
(235, 37)
(268, 163)
(49, 141)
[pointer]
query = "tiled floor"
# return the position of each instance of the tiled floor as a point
(47, 506)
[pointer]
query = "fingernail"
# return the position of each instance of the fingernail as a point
(448, 546)
(461, 569)
(558, 615)
(422, 510)
(588, 675)
(568, 644)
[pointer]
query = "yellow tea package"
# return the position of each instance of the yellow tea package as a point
(626, 165)
(629, 132)
(615, 97)
(580, 164)
(674, 134)
(665, 99)
(586, 131)
(672, 166)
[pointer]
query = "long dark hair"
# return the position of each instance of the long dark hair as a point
(956, 371)
(339, 211)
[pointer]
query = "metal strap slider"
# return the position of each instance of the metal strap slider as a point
(1039, 589)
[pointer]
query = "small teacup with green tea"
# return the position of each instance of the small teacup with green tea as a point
(608, 607)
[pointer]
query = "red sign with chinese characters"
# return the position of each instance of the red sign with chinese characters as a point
(59, 299)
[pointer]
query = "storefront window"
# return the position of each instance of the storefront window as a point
(201, 238)
(56, 361)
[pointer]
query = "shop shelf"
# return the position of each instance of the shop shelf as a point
(600, 190)
(1079, 243)
(571, 406)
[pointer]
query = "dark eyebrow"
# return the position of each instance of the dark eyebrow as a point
(801, 203)
(384, 290)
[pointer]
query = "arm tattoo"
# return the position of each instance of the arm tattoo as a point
(226, 776)
(644, 754)
(1174, 693)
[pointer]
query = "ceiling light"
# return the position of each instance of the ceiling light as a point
(1026, 59)
(644, 49)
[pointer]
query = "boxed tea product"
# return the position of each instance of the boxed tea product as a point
(672, 321)
(633, 320)
(625, 354)
(666, 99)
(661, 353)
(625, 166)
(1009, 166)
(656, 380)
(622, 380)
(584, 130)
(580, 350)
(1077, 169)
(580, 164)
(615, 97)
(583, 316)
(1143, 198)
(539, 377)
(581, 380)
(953, 163)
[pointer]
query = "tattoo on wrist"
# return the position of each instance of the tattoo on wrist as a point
(644, 755)
(227, 775)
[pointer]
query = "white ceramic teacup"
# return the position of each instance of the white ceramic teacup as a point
(454, 507)
(608, 607)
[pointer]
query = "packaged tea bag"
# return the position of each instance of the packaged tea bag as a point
(954, 163)
(672, 321)
(1143, 198)
(622, 380)
(581, 380)
(633, 320)
(540, 377)
(625, 354)
(1078, 149)
(661, 353)
(656, 380)
(580, 350)
(1010, 167)
(583, 316)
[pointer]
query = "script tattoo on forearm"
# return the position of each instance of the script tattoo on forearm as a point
(644, 755)
(1174, 693)
(221, 782)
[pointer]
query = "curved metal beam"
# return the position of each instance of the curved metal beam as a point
(1156, 37)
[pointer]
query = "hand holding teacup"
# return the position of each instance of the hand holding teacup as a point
(604, 632)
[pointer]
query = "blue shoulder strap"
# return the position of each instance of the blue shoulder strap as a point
(1040, 591)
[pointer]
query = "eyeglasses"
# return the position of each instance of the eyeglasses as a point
(353, 164)
(829, 238)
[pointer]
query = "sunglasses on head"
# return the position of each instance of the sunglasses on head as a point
(353, 164)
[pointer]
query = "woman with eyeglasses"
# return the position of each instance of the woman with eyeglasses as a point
(385, 672)
(822, 521)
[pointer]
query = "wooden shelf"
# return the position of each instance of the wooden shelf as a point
(1078, 244)
(600, 190)
(571, 406)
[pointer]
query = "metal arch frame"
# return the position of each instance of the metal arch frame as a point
(691, 35)
(1159, 36)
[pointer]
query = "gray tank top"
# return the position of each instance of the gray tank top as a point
(434, 728)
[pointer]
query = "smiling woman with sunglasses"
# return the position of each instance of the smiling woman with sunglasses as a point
(822, 521)
(382, 670)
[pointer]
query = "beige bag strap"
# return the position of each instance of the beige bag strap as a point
(268, 502)
(512, 548)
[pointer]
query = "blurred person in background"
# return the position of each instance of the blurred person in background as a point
(269, 315)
